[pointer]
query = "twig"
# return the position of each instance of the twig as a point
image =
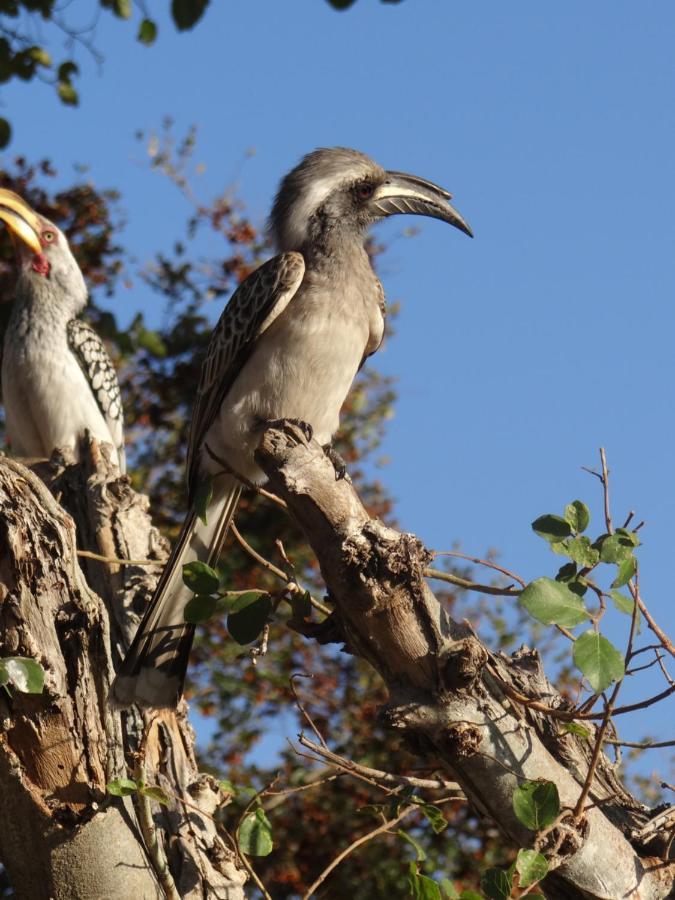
(605, 491)
(479, 562)
(439, 575)
(666, 643)
(114, 560)
(305, 714)
(146, 822)
(354, 846)
(375, 775)
(600, 735)
(242, 856)
(275, 570)
(645, 745)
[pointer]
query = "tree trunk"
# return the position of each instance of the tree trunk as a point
(63, 836)
(450, 695)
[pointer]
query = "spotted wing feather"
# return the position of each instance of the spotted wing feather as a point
(251, 310)
(91, 354)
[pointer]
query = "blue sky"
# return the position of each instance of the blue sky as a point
(517, 354)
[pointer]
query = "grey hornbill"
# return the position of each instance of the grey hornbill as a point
(287, 346)
(57, 378)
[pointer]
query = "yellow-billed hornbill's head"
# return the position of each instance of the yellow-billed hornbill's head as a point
(45, 258)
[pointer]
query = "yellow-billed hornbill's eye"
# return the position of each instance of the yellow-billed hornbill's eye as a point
(48, 237)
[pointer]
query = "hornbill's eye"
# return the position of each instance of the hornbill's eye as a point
(48, 237)
(364, 190)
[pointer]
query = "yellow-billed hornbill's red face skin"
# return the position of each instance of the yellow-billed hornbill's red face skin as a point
(31, 235)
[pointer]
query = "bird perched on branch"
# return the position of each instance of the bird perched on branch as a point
(58, 381)
(287, 346)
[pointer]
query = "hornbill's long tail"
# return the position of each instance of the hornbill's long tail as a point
(153, 670)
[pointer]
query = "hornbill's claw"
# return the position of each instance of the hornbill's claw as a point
(339, 464)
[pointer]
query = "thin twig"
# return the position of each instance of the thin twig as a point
(600, 735)
(382, 778)
(146, 822)
(301, 707)
(479, 562)
(242, 856)
(439, 575)
(114, 560)
(275, 570)
(354, 846)
(645, 745)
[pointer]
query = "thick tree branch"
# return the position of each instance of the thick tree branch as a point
(64, 836)
(446, 690)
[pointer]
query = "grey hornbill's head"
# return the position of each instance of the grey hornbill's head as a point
(341, 192)
(47, 265)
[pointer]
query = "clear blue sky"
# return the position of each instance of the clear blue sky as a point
(517, 354)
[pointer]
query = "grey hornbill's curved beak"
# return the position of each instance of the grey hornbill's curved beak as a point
(408, 194)
(22, 221)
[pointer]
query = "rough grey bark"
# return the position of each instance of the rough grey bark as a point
(448, 694)
(62, 836)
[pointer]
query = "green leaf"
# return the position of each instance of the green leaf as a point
(552, 528)
(448, 890)
(122, 8)
(578, 516)
(598, 659)
(68, 94)
(566, 572)
(622, 603)
(614, 548)
(434, 817)
(41, 56)
(470, 895)
(248, 616)
(147, 32)
(421, 887)
(121, 787)
(496, 884)
(575, 728)
(154, 793)
(227, 787)
(24, 674)
(5, 133)
(580, 550)
(200, 609)
(553, 603)
(625, 572)
(421, 855)
(301, 604)
(186, 13)
(531, 866)
(203, 496)
(255, 834)
(151, 341)
(631, 536)
(536, 804)
(200, 578)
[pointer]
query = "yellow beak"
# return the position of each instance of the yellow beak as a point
(21, 220)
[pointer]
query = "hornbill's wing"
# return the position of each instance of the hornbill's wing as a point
(91, 354)
(253, 307)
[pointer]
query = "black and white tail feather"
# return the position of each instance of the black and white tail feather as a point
(154, 668)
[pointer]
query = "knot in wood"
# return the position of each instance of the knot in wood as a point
(561, 841)
(382, 553)
(463, 739)
(462, 663)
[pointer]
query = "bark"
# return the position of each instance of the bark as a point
(447, 692)
(63, 836)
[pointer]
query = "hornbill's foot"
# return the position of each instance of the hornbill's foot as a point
(304, 427)
(339, 464)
